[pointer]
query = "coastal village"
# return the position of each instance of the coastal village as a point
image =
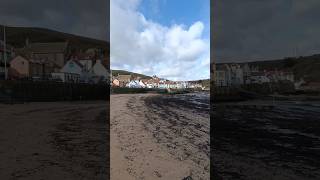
(53, 61)
(245, 74)
(240, 74)
(136, 81)
(66, 63)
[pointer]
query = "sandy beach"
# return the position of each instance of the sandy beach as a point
(56, 140)
(158, 137)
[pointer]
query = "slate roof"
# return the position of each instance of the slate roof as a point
(56, 47)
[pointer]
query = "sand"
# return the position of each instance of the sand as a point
(150, 142)
(58, 140)
(152, 137)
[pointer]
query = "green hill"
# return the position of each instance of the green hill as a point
(16, 36)
(123, 72)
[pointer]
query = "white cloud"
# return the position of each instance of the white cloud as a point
(140, 45)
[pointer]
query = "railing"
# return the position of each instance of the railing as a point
(26, 91)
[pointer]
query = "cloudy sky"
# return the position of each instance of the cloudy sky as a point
(167, 38)
(83, 17)
(246, 30)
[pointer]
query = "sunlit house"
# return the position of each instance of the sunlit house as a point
(24, 67)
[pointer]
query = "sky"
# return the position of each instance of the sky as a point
(251, 30)
(167, 38)
(88, 18)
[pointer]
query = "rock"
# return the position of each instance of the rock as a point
(187, 178)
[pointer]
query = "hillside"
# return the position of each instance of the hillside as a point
(123, 72)
(306, 67)
(16, 36)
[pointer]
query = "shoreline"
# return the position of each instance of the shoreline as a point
(152, 145)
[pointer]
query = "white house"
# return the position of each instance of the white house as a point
(66, 77)
(72, 71)
(258, 77)
(136, 84)
(72, 66)
(229, 75)
(222, 75)
(100, 69)
(221, 78)
(236, 74)
(86, 64)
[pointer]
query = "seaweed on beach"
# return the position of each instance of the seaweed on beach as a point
(82, 142)
(279, 143)
(181, 122)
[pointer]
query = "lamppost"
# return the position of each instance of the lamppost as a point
(5, 52)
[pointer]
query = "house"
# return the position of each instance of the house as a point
(124, 79)
(73, 66)
(66, 77)
(287, 76)
(229, 75)
(115, 83)
(142, 84)
(72, 71)
(221, 78)
(258, 78)
(276, 76)
(136, 84)
(83, 71)
(236, 75)
(145, 82)
(299, 84)
(194, 85)
(162, 85)
(21, 66)
(151, 83)
(86, 63)
(222, 75)
(54, 51)
(100, 69)
(25, 67)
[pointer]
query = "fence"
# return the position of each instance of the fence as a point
(125, 90)
(27, 91)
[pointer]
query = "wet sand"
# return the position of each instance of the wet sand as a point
(158, 137)
(58, 140)
(252, 142)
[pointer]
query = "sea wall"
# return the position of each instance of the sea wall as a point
(250, 91)
(283, 87)
(125, 90)
(16, 91)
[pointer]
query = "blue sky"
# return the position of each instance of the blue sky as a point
(167, 38)
(170, 12)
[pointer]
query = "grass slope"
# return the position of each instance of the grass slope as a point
(123, 72)
(16, 36)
